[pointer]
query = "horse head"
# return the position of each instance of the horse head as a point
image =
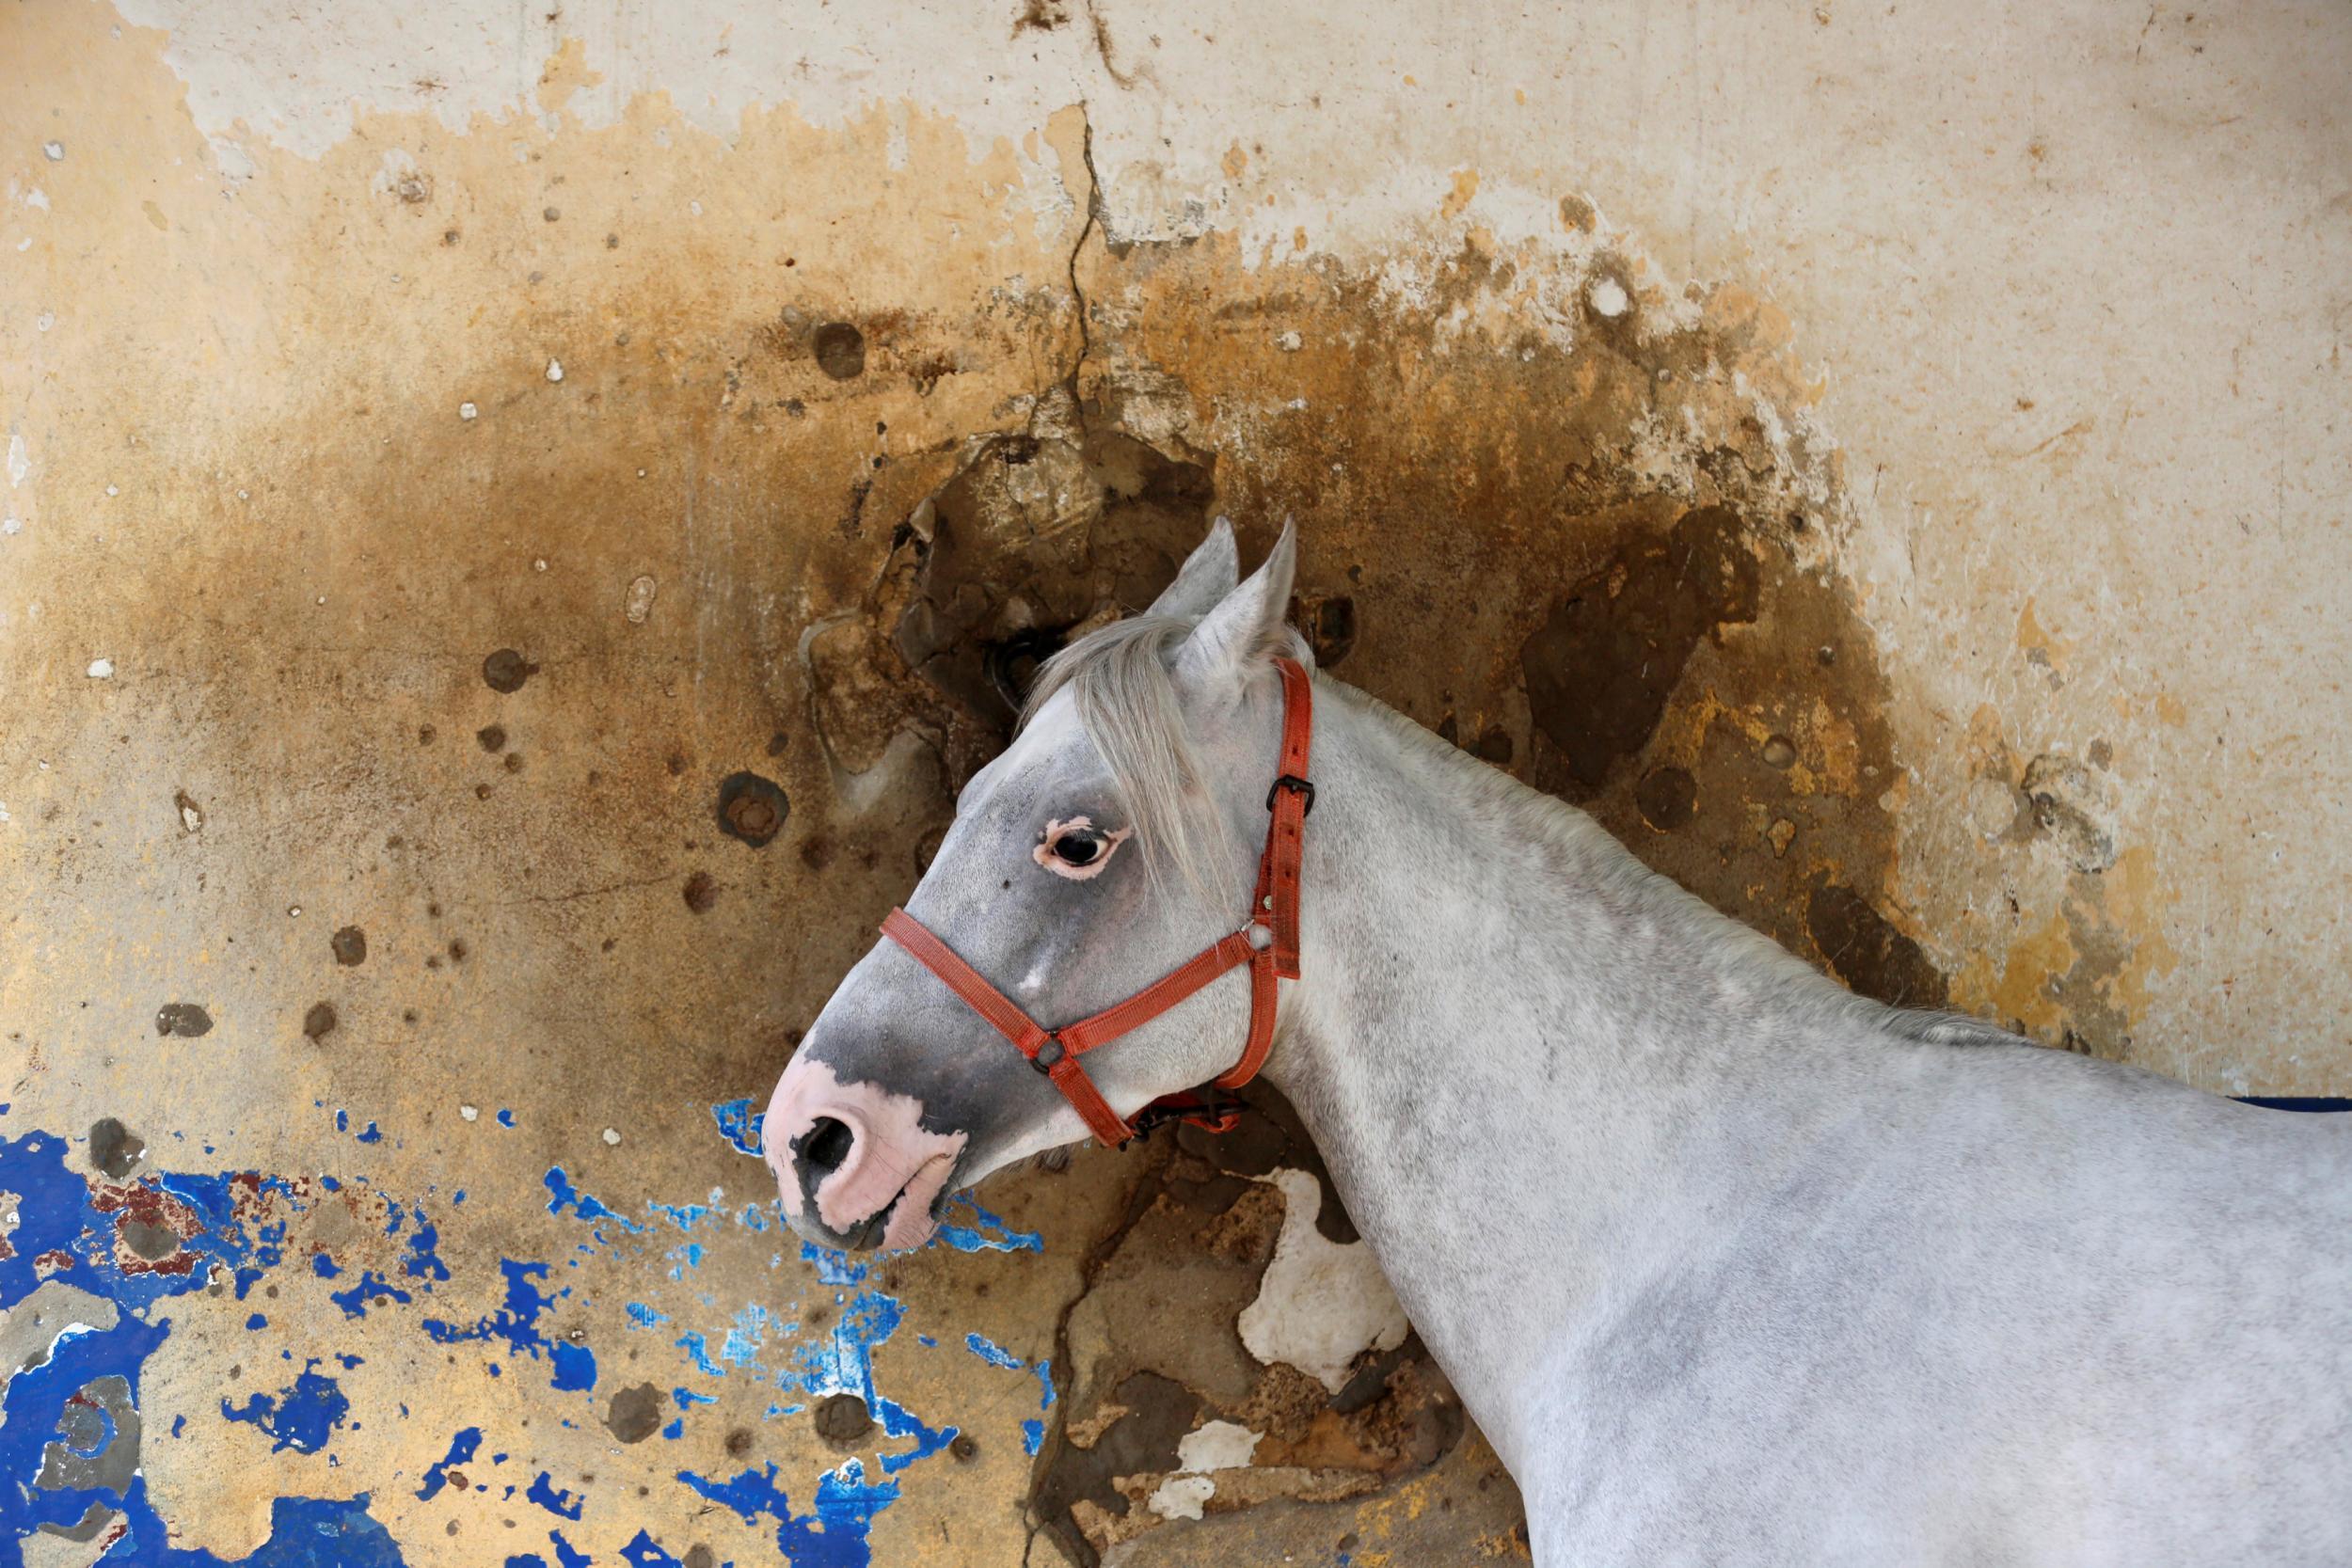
(1116, 835)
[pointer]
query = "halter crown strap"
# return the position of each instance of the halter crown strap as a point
(1273, 910)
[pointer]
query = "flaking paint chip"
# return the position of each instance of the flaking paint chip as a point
(467, 411)
(101, 668)
(612, 1135)
(555, 370)
(471, 1113)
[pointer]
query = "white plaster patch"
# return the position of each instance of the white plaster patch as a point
(638, 602)
(36, 197)
(467, 411)
(471, 1113)
(54, 152)
(1609, 297)
(1217, 1445)
(1320, 1304)
(19, 461)
(1181, 1497)
(613, 1136)
(555, 370)
(101, 668)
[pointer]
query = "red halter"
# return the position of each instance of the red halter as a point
(1274, 912)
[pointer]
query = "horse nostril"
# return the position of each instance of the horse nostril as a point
(827, 1143)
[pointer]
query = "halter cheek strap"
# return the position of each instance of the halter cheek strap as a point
(1269, 944)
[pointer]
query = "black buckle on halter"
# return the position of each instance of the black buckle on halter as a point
(1048, 1054)
(1293, 783)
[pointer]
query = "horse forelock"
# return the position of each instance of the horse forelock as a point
(1123, 693)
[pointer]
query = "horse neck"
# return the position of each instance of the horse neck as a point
(1538, 1073)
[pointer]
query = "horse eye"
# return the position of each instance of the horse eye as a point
(1078, 848)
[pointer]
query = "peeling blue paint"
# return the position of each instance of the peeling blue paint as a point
(301, 1417)
(995, 1354)
(833, 1535)
(739, 1124)
(373, 1290)
(562, 1504)
(461, 1448)
(562, 1196)
(984, 1232)
(1032, 1436)
(517, 1324)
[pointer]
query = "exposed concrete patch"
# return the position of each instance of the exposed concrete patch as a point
(30, 1330)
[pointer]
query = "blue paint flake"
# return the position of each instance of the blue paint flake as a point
(984, 1231)
(995, 1354)
(641, 1315)
(301, 1417)
(461, 1448)
(372, 1290)
(831, 1535)
(562, 1504)
(1032, 1436)
(684, 1215)
(506, 1118)
(562, 1196)
(739, 1124)
(424, 1258)
(517, 1324)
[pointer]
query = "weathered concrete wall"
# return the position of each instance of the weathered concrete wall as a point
(517, 517)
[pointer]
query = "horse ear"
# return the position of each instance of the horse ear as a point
(1245, 627)
(1206, 577)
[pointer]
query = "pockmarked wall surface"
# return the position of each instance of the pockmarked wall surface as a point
(516, 520)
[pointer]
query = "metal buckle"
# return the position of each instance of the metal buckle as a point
(1048, 1054)
(1292, 781)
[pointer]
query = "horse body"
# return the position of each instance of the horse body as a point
(1730, 1265)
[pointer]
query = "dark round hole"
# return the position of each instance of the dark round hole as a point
(827, 1143)
(841, 1419)
(840, 350)
(752, 809)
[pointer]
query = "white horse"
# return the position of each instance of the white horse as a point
(1730, 1265)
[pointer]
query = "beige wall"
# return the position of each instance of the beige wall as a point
(1889, 464)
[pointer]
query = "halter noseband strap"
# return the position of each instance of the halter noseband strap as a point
(1269, 944)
